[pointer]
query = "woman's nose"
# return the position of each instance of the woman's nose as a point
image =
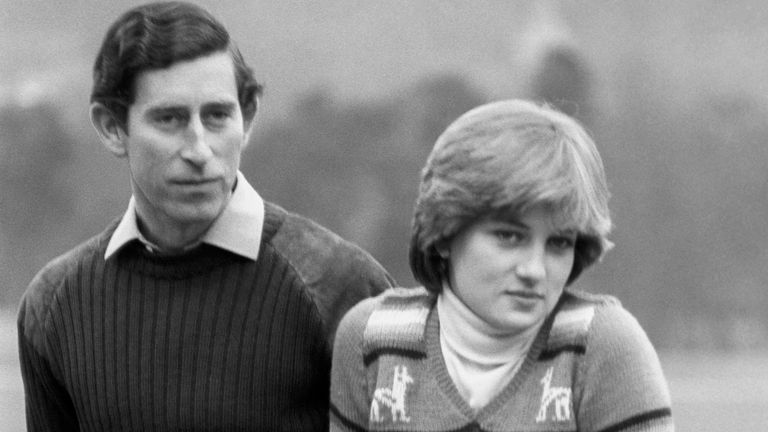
(531, 265)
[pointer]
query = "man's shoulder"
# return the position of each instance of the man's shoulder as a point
(283, 227)
(57, 270)
(39, 297)
(314, 249)
(334, 273)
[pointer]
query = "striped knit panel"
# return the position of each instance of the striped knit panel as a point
(215, 343)
(398, 323)
(654, 421)
(620, 384)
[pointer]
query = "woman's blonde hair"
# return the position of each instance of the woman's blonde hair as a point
(502, 159)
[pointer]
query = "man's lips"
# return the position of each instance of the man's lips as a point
(525, 294)
(194, 182)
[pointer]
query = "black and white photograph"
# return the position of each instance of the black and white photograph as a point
(355, 215)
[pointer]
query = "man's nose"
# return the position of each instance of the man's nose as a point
(196, 149)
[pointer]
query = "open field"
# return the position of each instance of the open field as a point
(11, 393)
(711, 392)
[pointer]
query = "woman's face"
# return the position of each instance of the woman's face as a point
(511, 273)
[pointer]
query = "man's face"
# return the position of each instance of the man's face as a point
(185, 137)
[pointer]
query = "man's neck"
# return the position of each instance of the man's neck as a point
(175, 239)
(166, 235)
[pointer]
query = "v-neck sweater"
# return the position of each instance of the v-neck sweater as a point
(480, 359)
(589, 368)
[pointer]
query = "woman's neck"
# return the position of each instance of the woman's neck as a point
(474, 339)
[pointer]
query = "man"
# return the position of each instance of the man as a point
(203, 307)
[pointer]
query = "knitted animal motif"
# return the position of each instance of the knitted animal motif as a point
(393, 397)
(561, 396)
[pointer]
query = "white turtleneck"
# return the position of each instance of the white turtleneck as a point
(481, 360)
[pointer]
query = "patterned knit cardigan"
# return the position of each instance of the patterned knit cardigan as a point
(590, 368)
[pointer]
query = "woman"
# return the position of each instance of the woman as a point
(512, 207)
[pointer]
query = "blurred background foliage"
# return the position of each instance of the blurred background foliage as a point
(356, 93)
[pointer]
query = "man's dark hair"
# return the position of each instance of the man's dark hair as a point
(155, 36)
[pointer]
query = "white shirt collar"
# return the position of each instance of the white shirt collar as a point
(237, 229)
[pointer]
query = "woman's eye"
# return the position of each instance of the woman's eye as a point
(562, 243)
(509, 236)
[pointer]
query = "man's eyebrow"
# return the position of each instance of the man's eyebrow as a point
(170, 108)
(223, 104)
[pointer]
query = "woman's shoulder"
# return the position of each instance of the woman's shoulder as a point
(605, 326)
(576, 298)
(592, 321)
(608, 316)
(618, 363)
(396, 318)
(390, 300)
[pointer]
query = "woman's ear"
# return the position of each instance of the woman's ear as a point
(109, 129)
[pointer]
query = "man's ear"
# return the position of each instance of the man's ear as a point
(109, 129)
(443, 251)
(249, 119)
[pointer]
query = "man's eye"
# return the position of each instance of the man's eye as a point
(218, 118)
(220, 114)
(168, 120)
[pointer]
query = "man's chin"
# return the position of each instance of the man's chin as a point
(196, 214)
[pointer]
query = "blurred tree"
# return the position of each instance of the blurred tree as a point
(425, 110)
(721, 189)
(440, 100)
(563, 81)
(689, 183)
(34, 149)
(355, 167)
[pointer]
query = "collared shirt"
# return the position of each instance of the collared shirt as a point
(237, 229)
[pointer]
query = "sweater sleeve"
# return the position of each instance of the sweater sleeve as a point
(337, 273)
(621, 384)
(353, 277)
(350, 403)
(48, 405)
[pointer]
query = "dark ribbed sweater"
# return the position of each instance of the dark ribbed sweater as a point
(205, 341)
